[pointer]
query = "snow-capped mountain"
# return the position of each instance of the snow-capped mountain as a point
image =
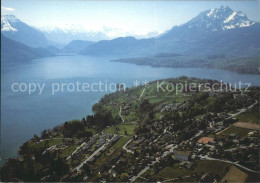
(222, 18)
(212, 32)
(8, 23)
(66, 35)
(15, 29)
(70, 33)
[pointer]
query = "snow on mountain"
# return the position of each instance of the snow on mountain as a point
(15, 29)
(7, 22)
(73, 32)
(222, 18)
(68, 34)
(212, 32)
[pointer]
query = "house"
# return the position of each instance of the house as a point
(182, 155)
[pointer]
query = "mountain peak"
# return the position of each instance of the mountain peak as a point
(10, 18)
(7, 22)
(222, 18)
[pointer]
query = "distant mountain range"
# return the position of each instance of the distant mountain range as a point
(124, 46)
(65, 36)
(215, 31)
(76, 46)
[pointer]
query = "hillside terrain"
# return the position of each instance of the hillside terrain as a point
(76, 46)
(149, 134)
(13, 52)
(248, 65)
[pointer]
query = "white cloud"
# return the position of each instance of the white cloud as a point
(7, 9)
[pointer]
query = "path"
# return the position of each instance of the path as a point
(89, 158)
(128, 150)
(121, 115)
(141, 94)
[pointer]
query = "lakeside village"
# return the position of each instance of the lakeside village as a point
(140, 135)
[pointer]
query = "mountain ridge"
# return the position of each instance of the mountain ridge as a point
(192, 38)
(13, 28)
(13, 52)
(76, 46)
(222, 18)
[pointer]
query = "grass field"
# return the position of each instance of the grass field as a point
(91, 130)
(55, 142)
(242, 132)
(249, 116)
(132, 116)
(129, 128)
(45, 142)
(234, 175)
(199, 167)
(121, 142)
(65, 153)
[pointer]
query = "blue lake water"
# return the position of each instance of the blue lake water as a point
(24, 115)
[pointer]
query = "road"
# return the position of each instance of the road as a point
(140, 173)
(233, 115)
(127, 150)
(230, 162)
(93, 154)
(153, 162)
(79, 147)
(90, 157)
(243, 110)
(170, 151)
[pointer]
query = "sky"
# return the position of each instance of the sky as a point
(139, 17)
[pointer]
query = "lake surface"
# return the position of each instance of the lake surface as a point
(23, 115)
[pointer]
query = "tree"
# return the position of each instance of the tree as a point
(136, 153)
(145, 106)
(86, 168)
(35, 137)
(125, 132)
(44, 134)
(124, 177)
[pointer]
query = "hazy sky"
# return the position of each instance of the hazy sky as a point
(133, 16)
